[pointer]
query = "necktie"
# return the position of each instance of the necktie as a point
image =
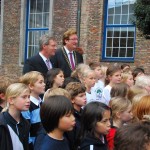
(71, 61)
(48, 64)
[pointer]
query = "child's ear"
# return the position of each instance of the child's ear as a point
(2, 96)
(118, 114)
(72, 100)
(10, 100)
(31, 86)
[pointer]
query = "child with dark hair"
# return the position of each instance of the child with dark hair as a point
(125, 67)
(95, 124)
(133, 137)
(120, 89)
(54, 78)
(78, 99)
(68, 80)
(137, 72)
(113, 76)
(57, 117)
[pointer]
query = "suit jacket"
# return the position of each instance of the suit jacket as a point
(35, 63)
(60, 60)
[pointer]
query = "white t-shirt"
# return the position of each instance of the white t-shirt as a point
(97, 90)
(106, 95)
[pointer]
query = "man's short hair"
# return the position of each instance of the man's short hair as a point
(44, 40)
(67, 34)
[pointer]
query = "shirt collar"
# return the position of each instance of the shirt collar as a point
(12, 120)
(67, 51)
(35, 101)
(43, 57)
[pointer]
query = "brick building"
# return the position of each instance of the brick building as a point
(105, 31)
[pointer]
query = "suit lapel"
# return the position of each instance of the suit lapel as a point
(67, 59)
(42, 63)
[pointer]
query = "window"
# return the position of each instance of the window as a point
(119, 31)
(39, 16)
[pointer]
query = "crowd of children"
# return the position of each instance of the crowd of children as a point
(97, 108)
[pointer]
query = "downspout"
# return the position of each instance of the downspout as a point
(79, 19)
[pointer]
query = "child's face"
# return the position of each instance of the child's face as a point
(130, 80)
(127, 115)
(67, 122)
(98, 73)
(21, 102)
(39, 86)
(79, 100)
(116, 77)
(103, 126)
(90, 80)
(59, 79)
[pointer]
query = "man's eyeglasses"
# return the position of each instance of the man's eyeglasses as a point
(74, 39)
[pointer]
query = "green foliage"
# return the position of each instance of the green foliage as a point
(142, 14)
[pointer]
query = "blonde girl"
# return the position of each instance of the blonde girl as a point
(89, 80)
(17, 96)
(127, 78)
(121, 114)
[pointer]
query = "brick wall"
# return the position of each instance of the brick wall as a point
(91, 29)
(10, 47)
(65, 16)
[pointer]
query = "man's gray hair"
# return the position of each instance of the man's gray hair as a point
(44, 40)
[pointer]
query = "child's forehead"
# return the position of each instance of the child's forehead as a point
(40, 77)
(80, 93)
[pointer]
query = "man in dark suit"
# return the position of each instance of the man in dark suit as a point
(66, 58)
(41, 61)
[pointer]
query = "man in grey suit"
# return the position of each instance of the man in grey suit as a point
(41, 61)
(66, 58)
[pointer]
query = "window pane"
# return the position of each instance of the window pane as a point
(130, 52)
(109, 33)
(109, 42)
(116, 33)
(117, 19)
(111, 11)
(110, 19)
(108, 52)
(118, 10)
(115, 52)
(45, 20)
(124, 9)
(40, 6)
(122, 52)
(124, 19)
(130, 42)
(130, 33)
(123, 42)
(116, 42)
(124, 34)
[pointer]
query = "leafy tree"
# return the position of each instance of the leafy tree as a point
(142, 14)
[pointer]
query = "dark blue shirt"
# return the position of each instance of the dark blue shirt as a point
(53, 144)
